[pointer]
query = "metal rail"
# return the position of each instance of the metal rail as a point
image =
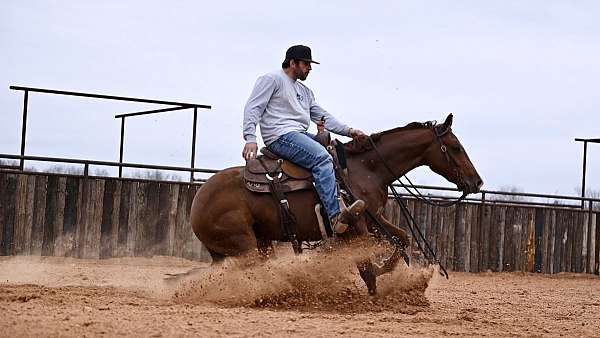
(483, 193)
(506, 193)
(178, 106)
(87, 163)
(107, 97)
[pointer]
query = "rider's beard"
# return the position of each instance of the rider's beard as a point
(301, 75)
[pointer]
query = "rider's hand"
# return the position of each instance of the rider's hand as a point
(321, 125)
(250, 151)
(354, 133)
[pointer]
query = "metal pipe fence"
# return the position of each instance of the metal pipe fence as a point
(484, 195)
(175, 107)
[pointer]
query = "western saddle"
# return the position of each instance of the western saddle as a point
(269, 173)
(260, 172)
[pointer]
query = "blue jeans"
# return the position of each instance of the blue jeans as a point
(301, 149)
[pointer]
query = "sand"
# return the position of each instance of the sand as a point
(312, 295)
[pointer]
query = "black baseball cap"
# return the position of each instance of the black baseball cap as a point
(300, 52)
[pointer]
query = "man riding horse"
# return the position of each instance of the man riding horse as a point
(284, 107)
(241, 210)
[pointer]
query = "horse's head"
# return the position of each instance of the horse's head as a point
(447, 157)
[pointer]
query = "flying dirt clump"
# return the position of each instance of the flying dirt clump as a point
(320, 281)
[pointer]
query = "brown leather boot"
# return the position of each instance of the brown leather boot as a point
(340, 222)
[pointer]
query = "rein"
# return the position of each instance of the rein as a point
(412, 224)
(419, 196)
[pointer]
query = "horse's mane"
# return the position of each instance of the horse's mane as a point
(362, 144)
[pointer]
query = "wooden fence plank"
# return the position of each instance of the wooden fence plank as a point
(124, 215)
(523, 239)
(107, 223)
(592, 243)
(584, 242)
(3, 203)
(190, 238)
(9, 230)
(501, 235)
(539, 249)
(38, 214)
(132, 228)
(443, 235)
(485, 238)
(596, 225)
(558, 246)
(435, 229)
(83, 208)
(475, 251)
(173, 198)
(9, 201)
(555, 241)
(94, 237)
(28, 215)
(59, 217)
(50, 211)
(579, 228)
(152, 213)
(509, 243)
(567, 249)
(564, 238)
(180, 228)
(467, 238)
(136, 228)
(429, 235)
(546, 229)
(84, 216)
(69, 228)
(116, 217)
(451, 218)
(162, 226)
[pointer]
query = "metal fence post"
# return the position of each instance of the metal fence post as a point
(121, 147)
(193, 144)
(24, 129)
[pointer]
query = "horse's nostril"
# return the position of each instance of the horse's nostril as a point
(479, 183)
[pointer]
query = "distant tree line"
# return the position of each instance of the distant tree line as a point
(147, 174)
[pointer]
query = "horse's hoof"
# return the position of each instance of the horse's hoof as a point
(367, 273)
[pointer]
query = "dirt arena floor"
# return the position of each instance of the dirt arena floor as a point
(291, 296)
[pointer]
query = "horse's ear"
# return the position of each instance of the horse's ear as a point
(448, 122)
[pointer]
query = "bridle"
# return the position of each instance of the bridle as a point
(431, 125)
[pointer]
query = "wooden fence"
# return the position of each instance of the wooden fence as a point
(54, 215)
(58, 215)
(480, 237)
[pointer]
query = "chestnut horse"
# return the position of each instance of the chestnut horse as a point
(230, 220)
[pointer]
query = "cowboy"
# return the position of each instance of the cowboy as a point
(284, 107)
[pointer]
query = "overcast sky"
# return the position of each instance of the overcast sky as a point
(521, 77)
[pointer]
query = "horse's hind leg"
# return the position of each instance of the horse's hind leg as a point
(265, 248)
(217, 258)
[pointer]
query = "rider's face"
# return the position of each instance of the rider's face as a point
(302, 69)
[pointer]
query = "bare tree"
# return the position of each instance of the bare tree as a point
(590, 193)
(510, 198)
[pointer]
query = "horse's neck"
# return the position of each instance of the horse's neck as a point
(402, 151)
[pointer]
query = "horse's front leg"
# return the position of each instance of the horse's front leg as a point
(369, 271)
